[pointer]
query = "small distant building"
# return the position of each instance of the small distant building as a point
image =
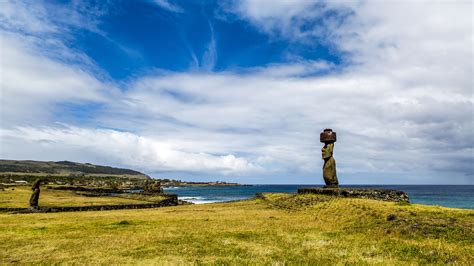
(21, 182)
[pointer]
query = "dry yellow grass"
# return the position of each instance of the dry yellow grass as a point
(19, 197)
(276, 229)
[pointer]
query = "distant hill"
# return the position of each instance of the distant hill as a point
(65, 168)
(83, 174)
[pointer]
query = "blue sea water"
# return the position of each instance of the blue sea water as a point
(455, 196)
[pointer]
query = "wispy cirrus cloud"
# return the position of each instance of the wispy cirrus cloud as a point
(33, 83)
(39, 69)
(40, 17)
(167, 5)
(209, 57)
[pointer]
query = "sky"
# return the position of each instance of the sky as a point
(239, 91)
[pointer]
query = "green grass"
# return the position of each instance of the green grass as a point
(274, 229)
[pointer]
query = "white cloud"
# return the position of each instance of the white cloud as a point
(279, 118)
(31, 83)
(304, 68)
(411, 75)
(17, 16)
(124, 148)
(39, 17)
(278, 18)
(38, 69)
(165, 4)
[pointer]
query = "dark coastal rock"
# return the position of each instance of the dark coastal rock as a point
(364, 193)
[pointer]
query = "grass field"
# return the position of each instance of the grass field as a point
(273, 229)
(19, 197)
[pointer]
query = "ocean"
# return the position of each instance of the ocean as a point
(455, 196)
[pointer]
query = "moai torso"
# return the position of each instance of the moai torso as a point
(35, 195)
(329, 167)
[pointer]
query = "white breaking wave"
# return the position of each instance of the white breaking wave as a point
(199, 200)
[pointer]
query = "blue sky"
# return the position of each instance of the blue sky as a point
(136, 36)
(239, 90)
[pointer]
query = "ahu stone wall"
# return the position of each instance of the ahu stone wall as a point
(364, 193)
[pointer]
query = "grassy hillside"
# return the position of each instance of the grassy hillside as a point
(64, 168)
(71, 173)
(273, 229)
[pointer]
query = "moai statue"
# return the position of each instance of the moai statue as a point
(156, 187)
(328, 137)
(146, 186)
(36, 193)
(153, 187)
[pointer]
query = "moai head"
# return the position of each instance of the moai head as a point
(156, 186)
(36, 184)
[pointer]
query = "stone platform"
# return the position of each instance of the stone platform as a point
(364, 193)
